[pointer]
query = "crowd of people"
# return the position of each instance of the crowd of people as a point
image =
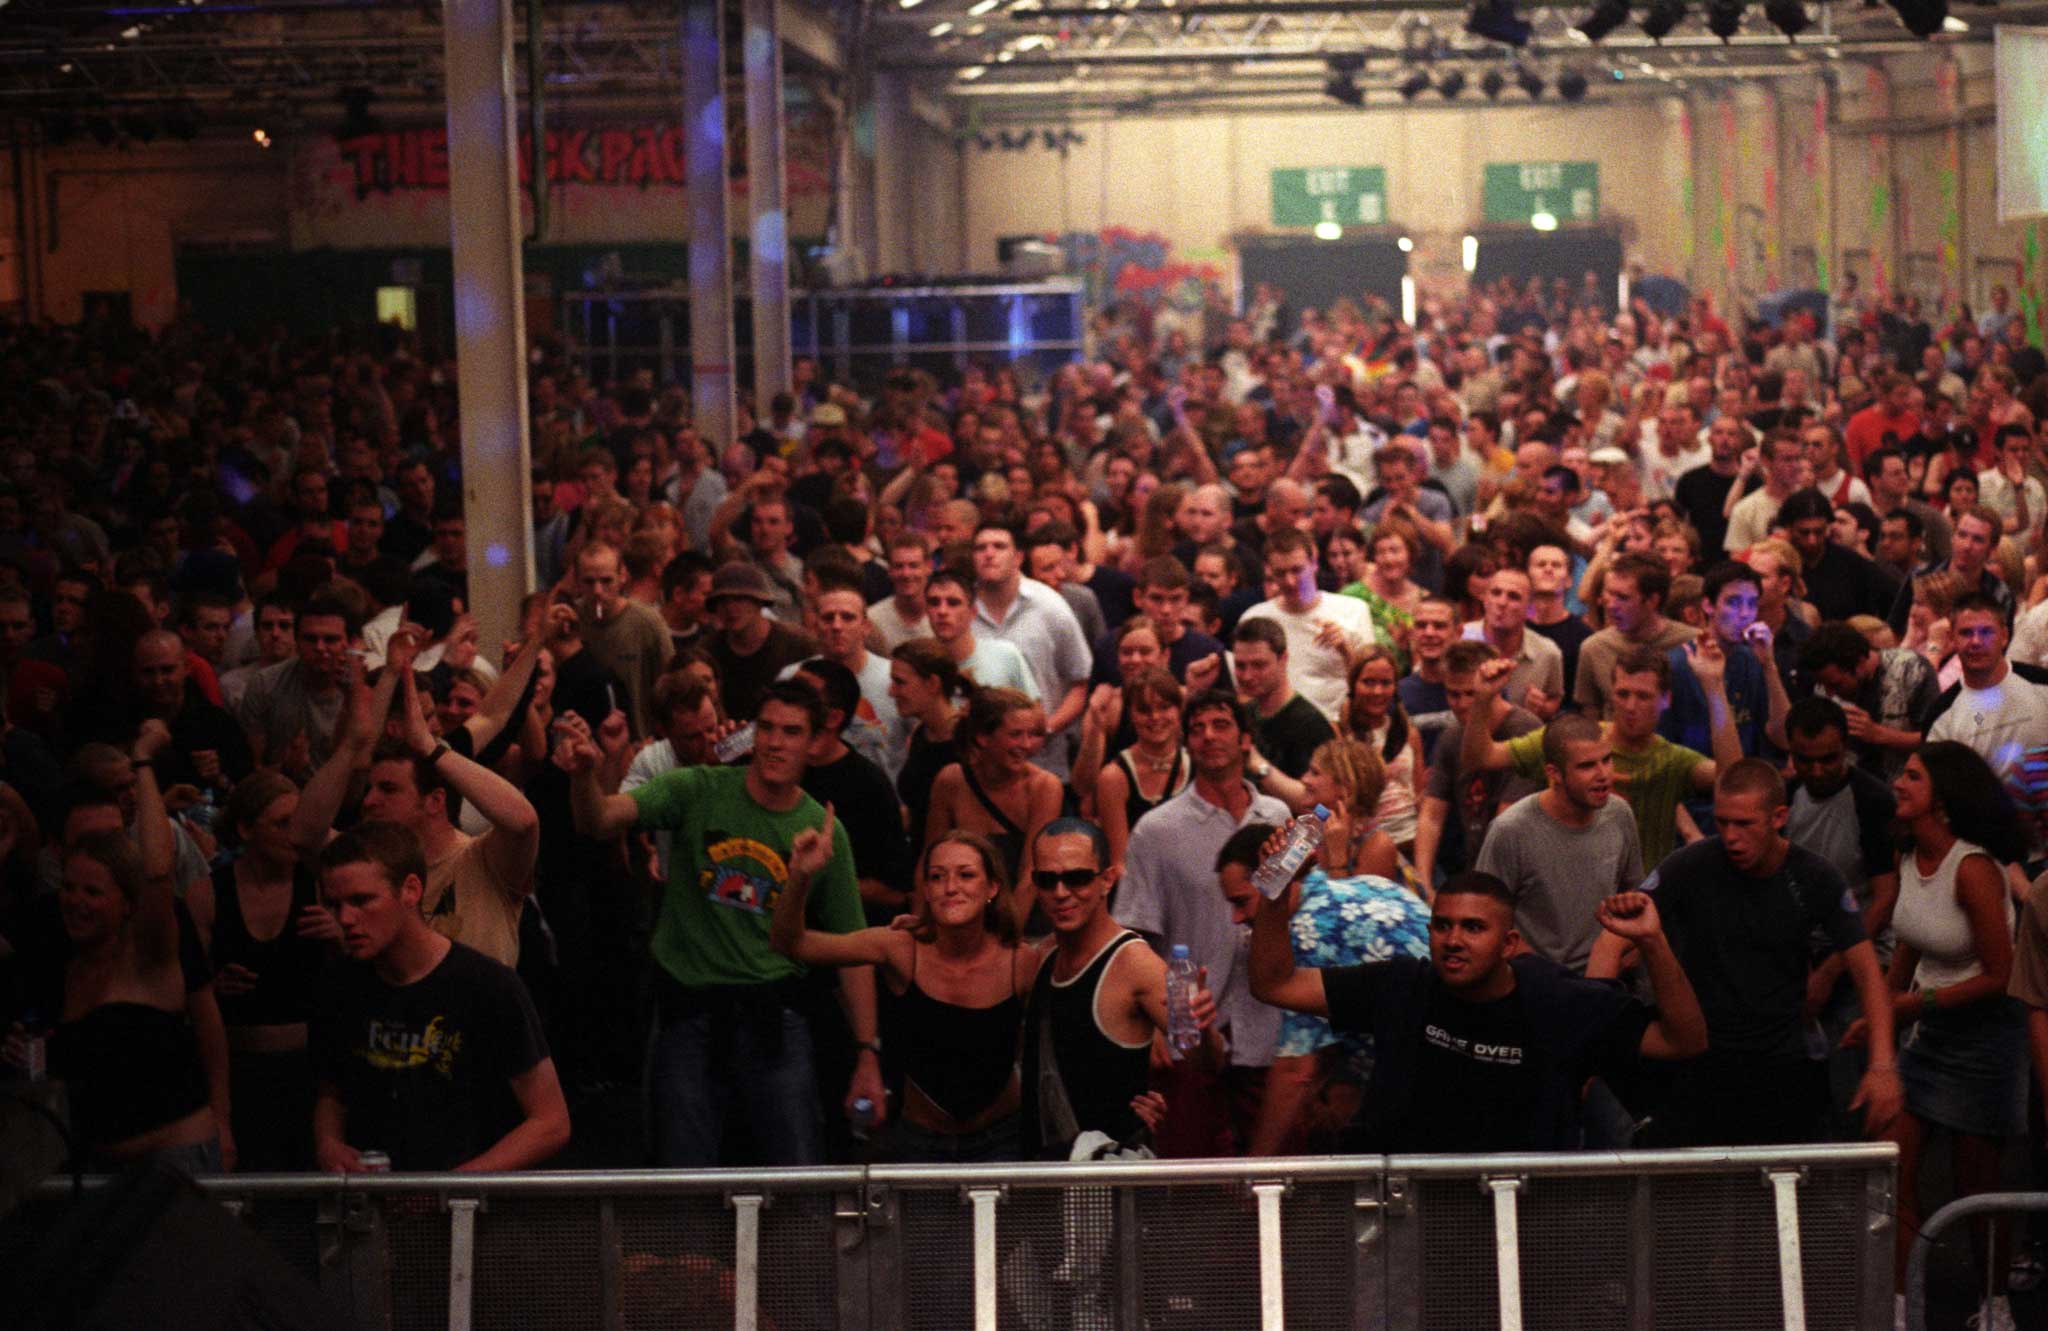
(1669, 692)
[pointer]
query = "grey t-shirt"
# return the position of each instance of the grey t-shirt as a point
(1559, 874)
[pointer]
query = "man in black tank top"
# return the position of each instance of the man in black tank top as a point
(1097, 1003)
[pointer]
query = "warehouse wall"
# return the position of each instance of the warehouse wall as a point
(1739, 190)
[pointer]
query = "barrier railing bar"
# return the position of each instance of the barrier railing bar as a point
(1507, 1249)
(645, 1182)
(984, 1202)
(1791, 1269)
(461, 1259)
(746, 1261)
(1962, 1208)
(1272, 1284)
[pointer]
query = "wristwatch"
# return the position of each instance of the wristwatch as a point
(1261, 772)
(440, 751)
(873, 1046)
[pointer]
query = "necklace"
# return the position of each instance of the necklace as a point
(1156, 765)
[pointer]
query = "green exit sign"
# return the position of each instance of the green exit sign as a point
(1346, 195)
(1519, 191)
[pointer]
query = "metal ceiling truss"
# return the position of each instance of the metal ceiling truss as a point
(1106, 57)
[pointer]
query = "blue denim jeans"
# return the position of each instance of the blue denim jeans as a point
(706, 1071)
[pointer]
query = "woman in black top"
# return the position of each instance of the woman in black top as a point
(268, 938)
(923, 682)
(122, 1045)
(960, 977)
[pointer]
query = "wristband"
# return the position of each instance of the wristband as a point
(873, 1046)
(142, 762)
(441, 751)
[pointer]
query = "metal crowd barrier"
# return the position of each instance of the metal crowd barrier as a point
(1992, 1204)
(1715, 1240)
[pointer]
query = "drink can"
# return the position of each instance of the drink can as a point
(374, 1162)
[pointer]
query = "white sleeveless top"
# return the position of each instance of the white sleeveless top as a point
(1929, 918)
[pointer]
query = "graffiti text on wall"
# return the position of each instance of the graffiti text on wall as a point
(417, 159)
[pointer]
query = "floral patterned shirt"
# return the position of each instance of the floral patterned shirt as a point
(1343, 922)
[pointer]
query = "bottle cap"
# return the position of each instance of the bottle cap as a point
(1322, 813)
(1180, 951)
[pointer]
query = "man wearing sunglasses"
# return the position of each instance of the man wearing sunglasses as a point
(1097, 1006)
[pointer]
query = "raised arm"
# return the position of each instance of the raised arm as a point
(156, 921)
(598, 815)
(1274, 976)
(1481, 751)
(513, 844)
(789, 930)
(1710, 667)
(1680, 1028)
(320, 802)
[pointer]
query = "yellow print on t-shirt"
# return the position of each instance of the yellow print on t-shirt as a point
(742, 872)
(396, 1046)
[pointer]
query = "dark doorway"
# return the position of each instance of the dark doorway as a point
(1317, 273)
(1568, 253)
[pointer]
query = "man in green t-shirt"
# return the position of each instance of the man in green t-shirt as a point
(731, 1016)
(1650, 772)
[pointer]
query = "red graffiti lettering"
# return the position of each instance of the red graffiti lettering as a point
(643, 155)
(434, 160)
(672, 153)
(575, 163)
(615, 149)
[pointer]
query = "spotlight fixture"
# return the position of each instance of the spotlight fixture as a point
(1724, 18)
(181, 123)
(1531, 81)
(1496, 21)
(1451, 84)
(1661, 17)
(102, 131)
(1347, 62)
(1492, 83)
(1343, 89)
(1787, 16)
(1605, 17)
(60, 128)
(139, 127)
(1571, 85)
(1413, 86)
(1923, 18)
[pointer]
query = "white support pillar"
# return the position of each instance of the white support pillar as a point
(710, 252)
(894, 199)
(490, 310)
(767, 210)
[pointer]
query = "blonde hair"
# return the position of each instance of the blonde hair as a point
(1358, 770)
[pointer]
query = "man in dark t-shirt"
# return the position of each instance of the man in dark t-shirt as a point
(1742, 909)
(1286, 727)
(1481, 1048)
(423, 1049)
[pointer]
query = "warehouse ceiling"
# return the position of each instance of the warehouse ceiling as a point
(186, 66)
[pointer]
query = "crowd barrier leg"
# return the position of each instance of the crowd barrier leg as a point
(984, 1202)
(1791, 1271)
(746, 1261)
(1507, 1248)
(1272, 1285)
(461, 1260)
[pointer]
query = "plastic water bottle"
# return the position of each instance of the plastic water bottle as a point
(1182, 1034)
(735, 746)
(1304, 839)
(863, 1119)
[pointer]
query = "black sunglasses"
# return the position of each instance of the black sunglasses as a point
(1071, 879)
